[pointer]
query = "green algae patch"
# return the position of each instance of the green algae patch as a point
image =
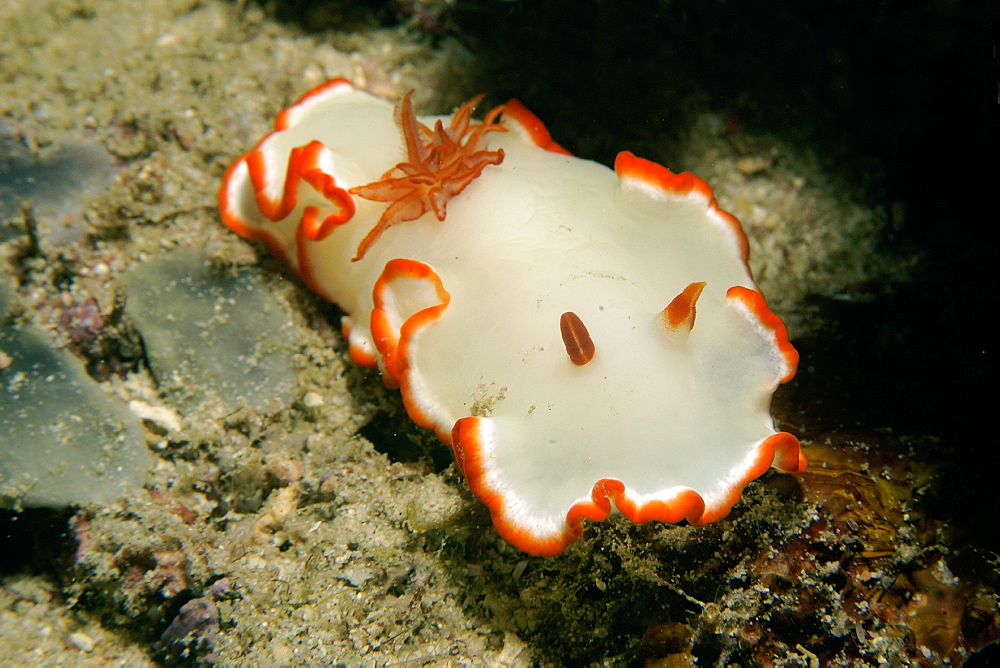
(63, 440)
(211, 333)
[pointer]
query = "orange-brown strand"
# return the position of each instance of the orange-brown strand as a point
(579, 345)
(440, 163)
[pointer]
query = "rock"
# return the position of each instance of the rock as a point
(211, 333)
(62, 439)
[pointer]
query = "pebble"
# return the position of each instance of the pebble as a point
(82, 642)
(312, 399)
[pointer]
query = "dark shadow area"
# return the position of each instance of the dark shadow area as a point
(883, 80)
(318, 15)
(394, 434)
(986, 657)
(35, 541)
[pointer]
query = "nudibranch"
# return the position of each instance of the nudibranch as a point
(584, 339)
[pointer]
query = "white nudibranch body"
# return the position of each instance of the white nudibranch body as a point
(583, 338)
